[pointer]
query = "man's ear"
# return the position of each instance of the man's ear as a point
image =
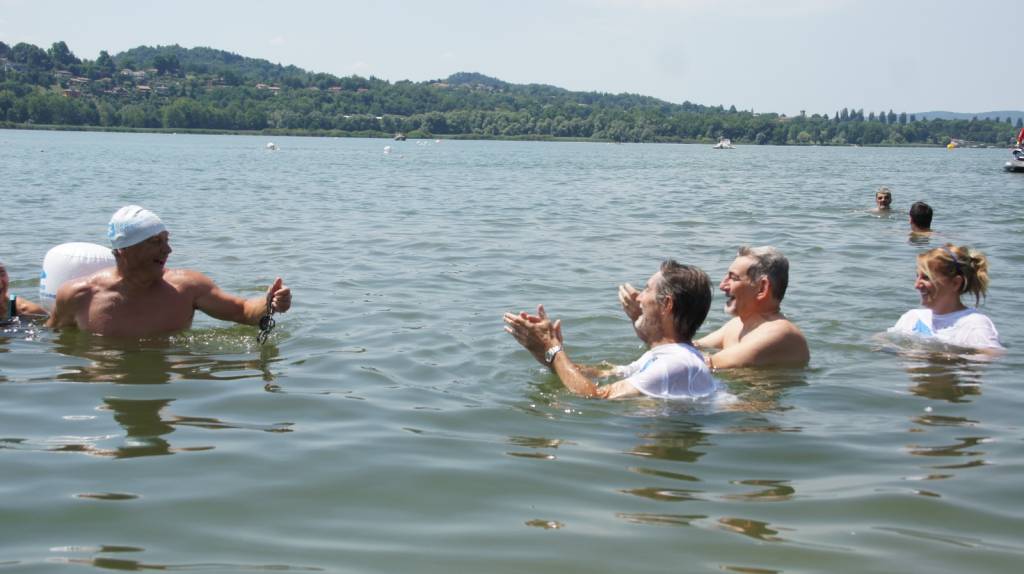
(670, 304)
(764, 288)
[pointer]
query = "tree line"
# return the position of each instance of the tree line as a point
(170, 87)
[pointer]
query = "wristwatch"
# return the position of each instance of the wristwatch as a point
(549, 355)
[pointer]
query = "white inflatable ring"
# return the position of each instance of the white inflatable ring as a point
(69, 261)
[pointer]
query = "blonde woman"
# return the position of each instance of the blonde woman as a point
(944, 274)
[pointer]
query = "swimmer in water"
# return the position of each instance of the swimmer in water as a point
(943, 275)
(883, 200)
(759, 334)
(920, 219)
(14, 306)
(669, 311)
(140, 297)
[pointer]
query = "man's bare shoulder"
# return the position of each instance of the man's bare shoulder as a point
(77, 295)
(187, 279)
(88, 285)
(779, 327)
(779, 341)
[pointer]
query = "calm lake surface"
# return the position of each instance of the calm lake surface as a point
(391, 425)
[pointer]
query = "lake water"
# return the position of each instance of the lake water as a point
(391, 425)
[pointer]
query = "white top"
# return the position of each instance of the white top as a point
(967, 328)
(670, 372)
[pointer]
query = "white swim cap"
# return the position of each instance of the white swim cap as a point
(132, 224)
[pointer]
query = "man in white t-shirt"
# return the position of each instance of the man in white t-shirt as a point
(673, 306)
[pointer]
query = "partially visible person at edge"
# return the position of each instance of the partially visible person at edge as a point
(883, 199)
(758, 334)
(670, 309)
(140, 297)
(943, 275)
(920, 218)
(12, 305)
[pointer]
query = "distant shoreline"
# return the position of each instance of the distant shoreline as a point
(382, 135)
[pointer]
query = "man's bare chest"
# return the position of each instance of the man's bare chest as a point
(157, 311)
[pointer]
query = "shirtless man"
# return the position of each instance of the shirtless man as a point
(758, 334)
(141, 298)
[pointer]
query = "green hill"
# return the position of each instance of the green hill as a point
(204, 89)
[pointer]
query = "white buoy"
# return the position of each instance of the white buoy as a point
(387, 149)
(69, 261)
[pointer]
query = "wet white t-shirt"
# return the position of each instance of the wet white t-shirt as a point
(966, 328)
(670, 372)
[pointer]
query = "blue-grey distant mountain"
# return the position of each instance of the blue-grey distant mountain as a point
(1014, 115)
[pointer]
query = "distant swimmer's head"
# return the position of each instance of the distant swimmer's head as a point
(131, 225)
(883, 198)
(920, 216)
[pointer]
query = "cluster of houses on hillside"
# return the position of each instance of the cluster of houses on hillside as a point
(142, 82)
(138, 81)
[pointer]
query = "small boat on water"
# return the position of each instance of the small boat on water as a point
(724, 143)
(399, 137)
(1016, 162)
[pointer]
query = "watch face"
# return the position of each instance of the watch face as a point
(549, 355)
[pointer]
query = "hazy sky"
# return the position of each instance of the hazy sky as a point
(766, 55)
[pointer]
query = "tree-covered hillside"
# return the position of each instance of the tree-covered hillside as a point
(170, 87)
